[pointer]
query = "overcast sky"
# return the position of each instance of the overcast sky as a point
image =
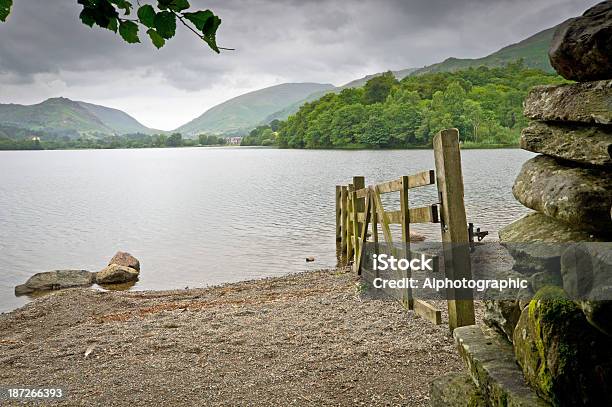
(46, 52)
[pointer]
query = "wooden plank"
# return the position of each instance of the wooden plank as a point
(427, 311)
(358, 206)
(389, 186)
(344, 204)
(453, 223)
(362, 193)
(355, 225)
(374, 220)
(422, 179)
(425, 214)
(338, 213)
(419, 179)
(349, 223)
(364, 231)
(405, 214)
(384, 218)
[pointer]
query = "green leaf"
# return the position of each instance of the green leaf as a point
(129, 31)
(211, 25)
(210, 32)
(146, 15)
(199, 18)
(124, 5)
(157, 39)
(112, 25)
(5, 9)
(86, 17)
(174, 5)
(165, 24)
(179, 5)
(164, 4)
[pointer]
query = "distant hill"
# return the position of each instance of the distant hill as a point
(291, 109)
(117, 120)
(65, 117)
(533, 51)
(242, 113)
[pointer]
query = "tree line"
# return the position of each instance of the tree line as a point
(485, 104)
(19, 139)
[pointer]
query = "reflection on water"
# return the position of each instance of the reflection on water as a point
(199, 216)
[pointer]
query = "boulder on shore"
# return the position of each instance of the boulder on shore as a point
(536, 227)
(587, 278)
(581, 49)
(536, 242)
(589, 103)
(565, 359)
(579, 196)
(125, 259)
(590, 145)
(55, 280)
(115, 274)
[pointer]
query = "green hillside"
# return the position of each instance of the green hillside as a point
(242, 113)
(533, 51)
(62, 117)
(283, 114)
(57, 116)
(119, 121)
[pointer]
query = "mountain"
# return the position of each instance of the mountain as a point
(294, 107)
(65, 117)
(119, 121)
(242, 113)
(533, 51)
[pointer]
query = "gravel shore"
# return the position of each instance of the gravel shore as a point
(302, 339)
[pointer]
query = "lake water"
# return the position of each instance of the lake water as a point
(201, 216)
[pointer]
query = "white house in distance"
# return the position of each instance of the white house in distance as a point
(234, 141)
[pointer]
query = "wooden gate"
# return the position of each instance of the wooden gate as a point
(359, 207)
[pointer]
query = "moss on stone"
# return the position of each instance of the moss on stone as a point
(559, 351)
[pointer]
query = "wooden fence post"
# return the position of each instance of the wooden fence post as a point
(349, 222)
(344, 219)
(453, 222)
(338, 213)
(405, 210)
(358, 207)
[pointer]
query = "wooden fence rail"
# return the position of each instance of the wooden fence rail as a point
(359, 207)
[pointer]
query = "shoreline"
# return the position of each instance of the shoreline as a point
(348, 148)
(304, 337)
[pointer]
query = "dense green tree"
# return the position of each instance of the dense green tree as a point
(485, 104)
(174, 140)
(377, 89)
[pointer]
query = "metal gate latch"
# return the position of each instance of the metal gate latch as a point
(478, 234)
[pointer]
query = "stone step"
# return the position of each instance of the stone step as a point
(584, 144)
(588, 102)
(455, 390)
(570, 193)
(493, 368)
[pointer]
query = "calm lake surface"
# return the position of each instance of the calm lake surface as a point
(202, 216)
